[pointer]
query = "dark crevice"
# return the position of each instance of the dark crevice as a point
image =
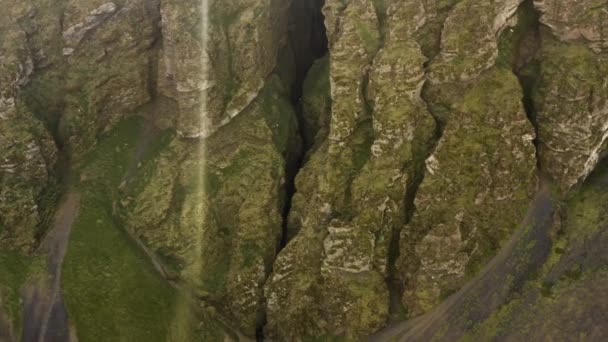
(41, 95)
(364, 127)
(395, 283)
(307, 41)
(526, 65)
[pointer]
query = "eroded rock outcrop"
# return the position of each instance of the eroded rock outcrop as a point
(477, 185)
(469, 39)
(377, 139)
(118, 41)
(27, 151)
(211, 208)
(418, 161)
(242, 42)
(572, 94)
(482, 173)
(576, 21)
(219, 237)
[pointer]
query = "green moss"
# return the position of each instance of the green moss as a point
(16, 271)
(13, 272)
(380, 8)
(369, 35)
(429, 36)
(279, 115)
(586, 212)
(110, 287)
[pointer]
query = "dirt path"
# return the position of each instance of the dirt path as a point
(44, 315)
(525, 252)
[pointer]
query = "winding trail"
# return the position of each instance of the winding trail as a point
(44, 315)
(524, 253)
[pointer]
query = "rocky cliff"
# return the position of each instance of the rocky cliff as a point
(294, 170)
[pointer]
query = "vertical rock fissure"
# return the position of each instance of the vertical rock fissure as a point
(48, 114)
(394, 282)
(526, 65)
(308, 42)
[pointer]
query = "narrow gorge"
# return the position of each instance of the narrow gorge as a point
(303, 170)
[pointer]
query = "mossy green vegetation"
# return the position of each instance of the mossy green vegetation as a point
(16, 272)
(584, 217)
(109, 286)
(111, 289)
(13, 272)
(467, 205)
(570, 310)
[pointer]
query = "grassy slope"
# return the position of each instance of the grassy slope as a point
(13, 273)
(110, 288)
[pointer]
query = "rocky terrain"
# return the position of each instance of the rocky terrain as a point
(295, 170)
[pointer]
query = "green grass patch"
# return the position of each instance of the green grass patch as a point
(17, 270)
(13, 273)
(111, 290)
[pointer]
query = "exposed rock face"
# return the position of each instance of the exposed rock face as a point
(346, 230)
(119, 38)
(303, 297)
(185, 123)
(74, 34)
(220, 236)
(477, 186)
(576, 21)
(572, 95)
(27, 151)
(240, 52)
(469, 39)
(481, 175)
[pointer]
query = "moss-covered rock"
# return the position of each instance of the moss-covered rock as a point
(108, 74)
(571, 100)
(468, 40)
(28, 151)
(351, 193)
(478, 183)
(211, 210)
(485, 157)
(228, 57)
